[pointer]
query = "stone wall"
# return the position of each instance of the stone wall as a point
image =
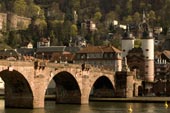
(10, 21)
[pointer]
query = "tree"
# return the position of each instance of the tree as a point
(136, 18)
(14, 39)
(53, 39)
(128, 19)
(41, 27)
(137, 43)
(152, 18)
(33, 10)
(20, 7)
(73, 30)
(112, 15)
(129, 6)
(97, 16)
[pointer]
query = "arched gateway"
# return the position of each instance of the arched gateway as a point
(26, 86)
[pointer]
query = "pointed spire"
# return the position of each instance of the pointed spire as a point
(144, 17)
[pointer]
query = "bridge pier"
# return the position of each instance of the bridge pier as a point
(84, 99)
(85, 88)
(38, 102)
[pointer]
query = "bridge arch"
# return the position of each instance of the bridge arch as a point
(67, 88)
(102, 87)
(18, 92)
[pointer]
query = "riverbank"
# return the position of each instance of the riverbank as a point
(134, 99)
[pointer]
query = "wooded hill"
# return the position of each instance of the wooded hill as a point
(56, 19)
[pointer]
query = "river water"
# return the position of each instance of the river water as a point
(92, 107)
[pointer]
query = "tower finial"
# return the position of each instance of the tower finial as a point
(144, 17)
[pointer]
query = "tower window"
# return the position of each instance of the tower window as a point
(124, 50)
(147, 57)
(147, 49)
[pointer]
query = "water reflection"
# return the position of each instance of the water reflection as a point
(92, 107)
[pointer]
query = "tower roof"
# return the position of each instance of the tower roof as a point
(127, 35)
(147, 32)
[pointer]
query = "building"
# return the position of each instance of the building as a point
(10, 21)
(89, 25)
(3, 21)
(142, 58)
(16, 22)
(162, 65)
(100, 56)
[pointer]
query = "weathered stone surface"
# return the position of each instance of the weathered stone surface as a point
(35, 82)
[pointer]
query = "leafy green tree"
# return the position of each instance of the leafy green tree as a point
(97, 16)
(73, 30)
(14, 39)
(137, 43)
(20, 7)
(112, 15)
(128, 19)
(40, 26)
(75, 4)
(129, 6)
(33, 10)
(136, 17)
(152, 18)
(53, 39)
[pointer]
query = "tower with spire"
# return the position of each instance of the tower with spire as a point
(148, 50)
(127, 42)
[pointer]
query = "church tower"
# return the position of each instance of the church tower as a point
(127, 42)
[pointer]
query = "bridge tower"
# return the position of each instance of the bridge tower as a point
(148, 51)
(127, 42)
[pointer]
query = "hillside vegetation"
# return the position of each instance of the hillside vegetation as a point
(56, 19)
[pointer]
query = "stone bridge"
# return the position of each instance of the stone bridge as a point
(26, 85)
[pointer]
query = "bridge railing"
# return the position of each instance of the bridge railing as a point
(56, 65)
(16, 63)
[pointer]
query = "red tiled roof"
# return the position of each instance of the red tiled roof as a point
(91, 49)
(166, 53)
(99, 49)
(110, 49)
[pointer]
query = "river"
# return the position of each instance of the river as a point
(92, 107)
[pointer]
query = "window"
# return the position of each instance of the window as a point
(147, 49)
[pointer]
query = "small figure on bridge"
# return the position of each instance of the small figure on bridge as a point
(83, 66)
(36, 65)
(42, 65)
